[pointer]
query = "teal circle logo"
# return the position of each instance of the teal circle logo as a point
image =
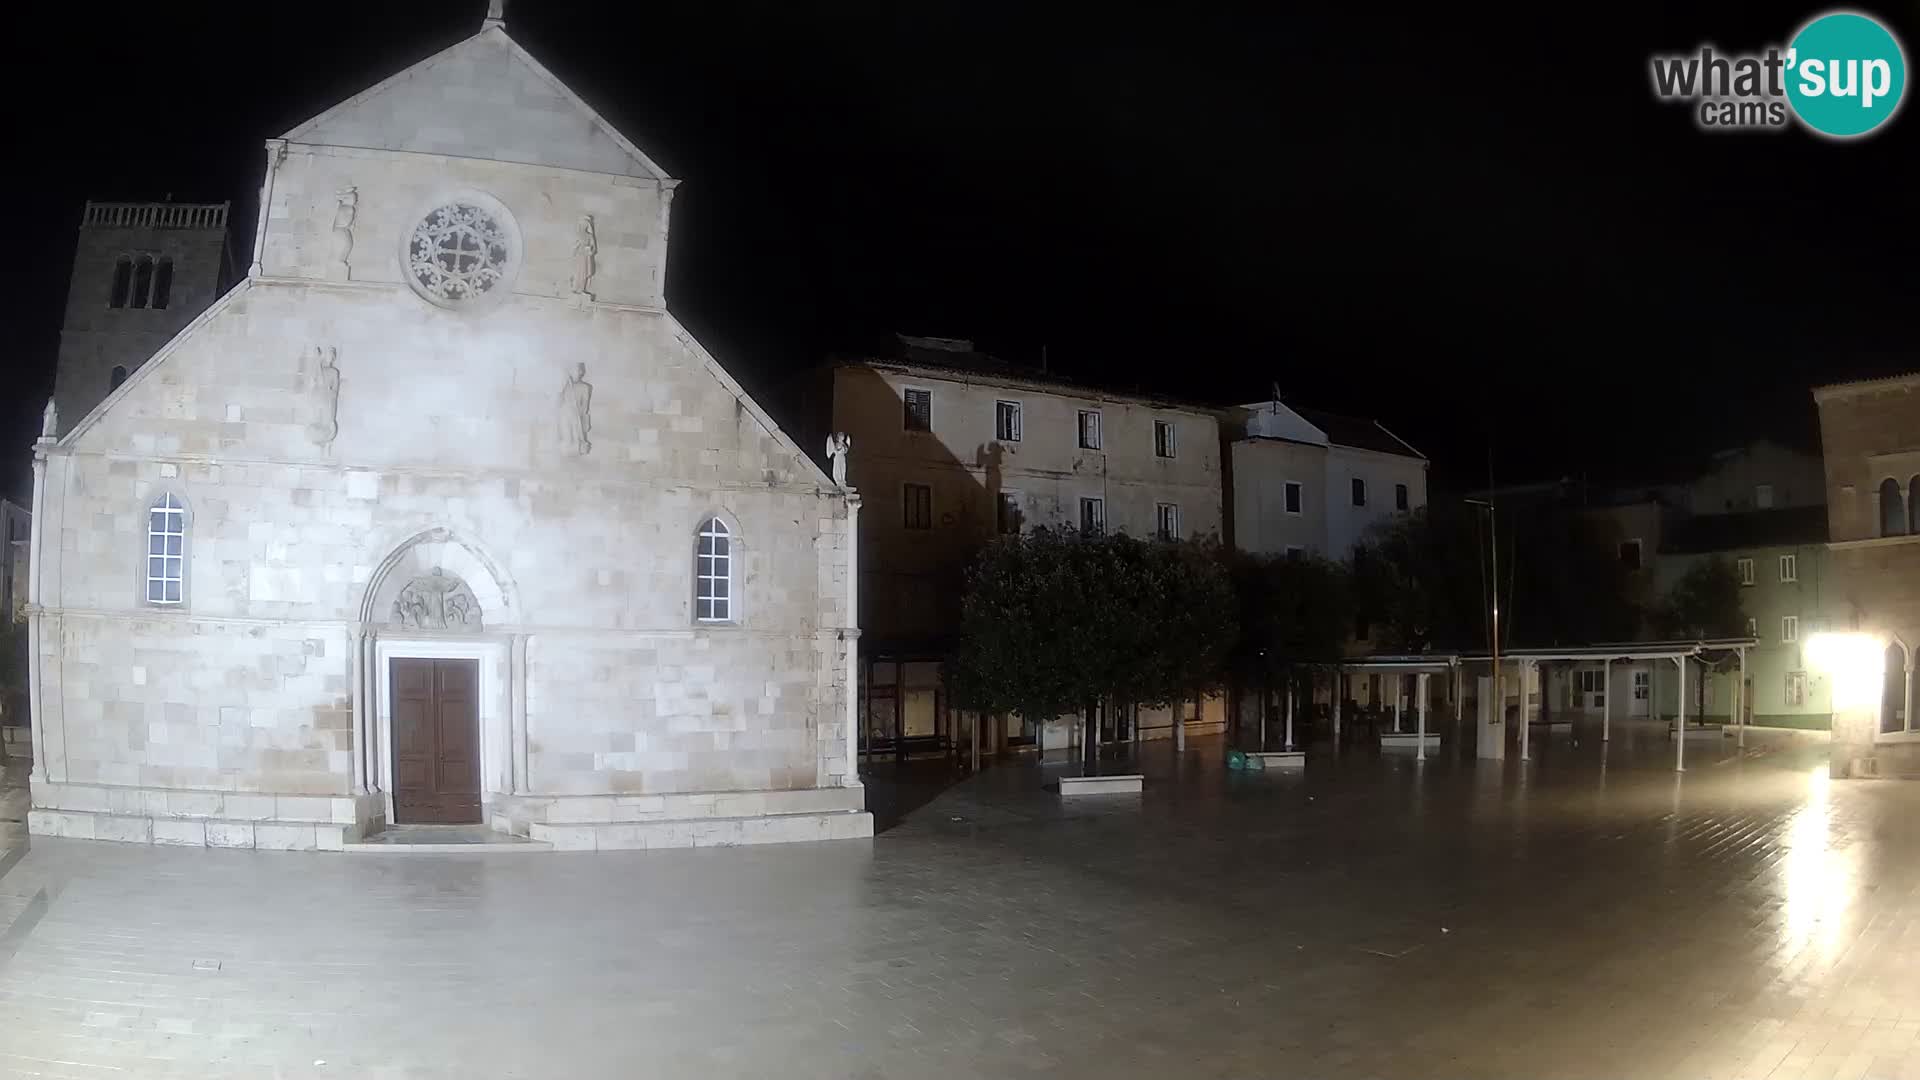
(1845, 74)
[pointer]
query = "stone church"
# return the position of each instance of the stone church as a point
(440, 517)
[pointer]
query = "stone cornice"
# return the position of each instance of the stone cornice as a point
(1908, 381)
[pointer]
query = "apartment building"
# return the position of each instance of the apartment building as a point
(951, 447)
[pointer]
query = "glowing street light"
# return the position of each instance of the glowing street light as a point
(1855, 665)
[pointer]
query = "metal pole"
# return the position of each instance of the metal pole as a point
(1499, 692)
(1680, 719)
(1606, 700)
(1266, 691)
(1339, 691)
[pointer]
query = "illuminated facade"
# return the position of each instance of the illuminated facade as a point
(1871, 434)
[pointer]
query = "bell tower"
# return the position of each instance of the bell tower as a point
(141, 272)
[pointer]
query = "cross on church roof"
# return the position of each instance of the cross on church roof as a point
(496, 13)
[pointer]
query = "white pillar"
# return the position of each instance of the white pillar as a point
(1260, 714)
(276, 153)
(1460, 704)
(1606, 700)
(36, 622)
(1288, 745)
(1180, 726)
(1526, 670)
(851, 778)
(1680, 719)
(367, 745)
(521, 783)
(1399, 688)
(1420, 695)
(1740, 697)
(357, 697)
(973, 726)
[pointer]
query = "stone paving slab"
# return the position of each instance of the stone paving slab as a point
(1371, 916)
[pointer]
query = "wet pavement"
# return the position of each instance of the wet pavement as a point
(1587, 914)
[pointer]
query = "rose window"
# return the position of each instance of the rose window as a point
(459, 253)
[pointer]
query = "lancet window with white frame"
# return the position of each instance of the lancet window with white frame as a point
(714, 599)
(166, 558)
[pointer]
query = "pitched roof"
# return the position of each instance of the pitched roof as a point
(1786, 527)
(484, 97)
(959, 357)
(1357, 432)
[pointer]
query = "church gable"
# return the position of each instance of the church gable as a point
(484, 98)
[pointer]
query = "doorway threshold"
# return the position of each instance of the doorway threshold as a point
(444, 840)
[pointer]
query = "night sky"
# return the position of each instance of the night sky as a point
(1479, 227)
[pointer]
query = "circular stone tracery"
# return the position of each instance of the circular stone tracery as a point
(459, 253)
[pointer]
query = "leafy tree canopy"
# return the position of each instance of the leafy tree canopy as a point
(1054, 619)
(1704, 603)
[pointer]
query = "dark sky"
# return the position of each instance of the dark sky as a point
(1476, 226)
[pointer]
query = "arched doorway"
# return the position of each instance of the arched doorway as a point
(440, 723)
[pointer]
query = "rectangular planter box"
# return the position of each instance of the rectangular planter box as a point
(1120, 784)
(1279, 759)
(1408, 740)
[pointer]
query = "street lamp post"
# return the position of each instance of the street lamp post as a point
(1493, 643)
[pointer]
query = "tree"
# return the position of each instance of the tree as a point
(1055, 621)
(1421, 580)
(1705, 602)
(1291, 612)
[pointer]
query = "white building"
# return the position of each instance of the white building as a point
(1314, 482)
(441, 516)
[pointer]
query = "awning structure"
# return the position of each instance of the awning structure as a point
(1678, 651)
(1604, 653)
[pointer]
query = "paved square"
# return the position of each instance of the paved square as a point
(1584, 916)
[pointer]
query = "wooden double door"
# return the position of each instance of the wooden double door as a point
(436, 741)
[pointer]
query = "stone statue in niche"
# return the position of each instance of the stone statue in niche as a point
(344, 211)
(325, 390)
(50, 421)
(576, 404)
(839, 445)
(585, 247)
(438, 601)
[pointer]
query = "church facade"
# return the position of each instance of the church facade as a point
(440, 516)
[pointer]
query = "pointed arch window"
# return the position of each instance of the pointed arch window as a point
(166, 550)
(713, 595)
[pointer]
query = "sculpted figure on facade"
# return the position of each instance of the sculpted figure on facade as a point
(325, 394)
(839, 445)
(345, 210)
(576, 405)
(585, 247)
(437, 601)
